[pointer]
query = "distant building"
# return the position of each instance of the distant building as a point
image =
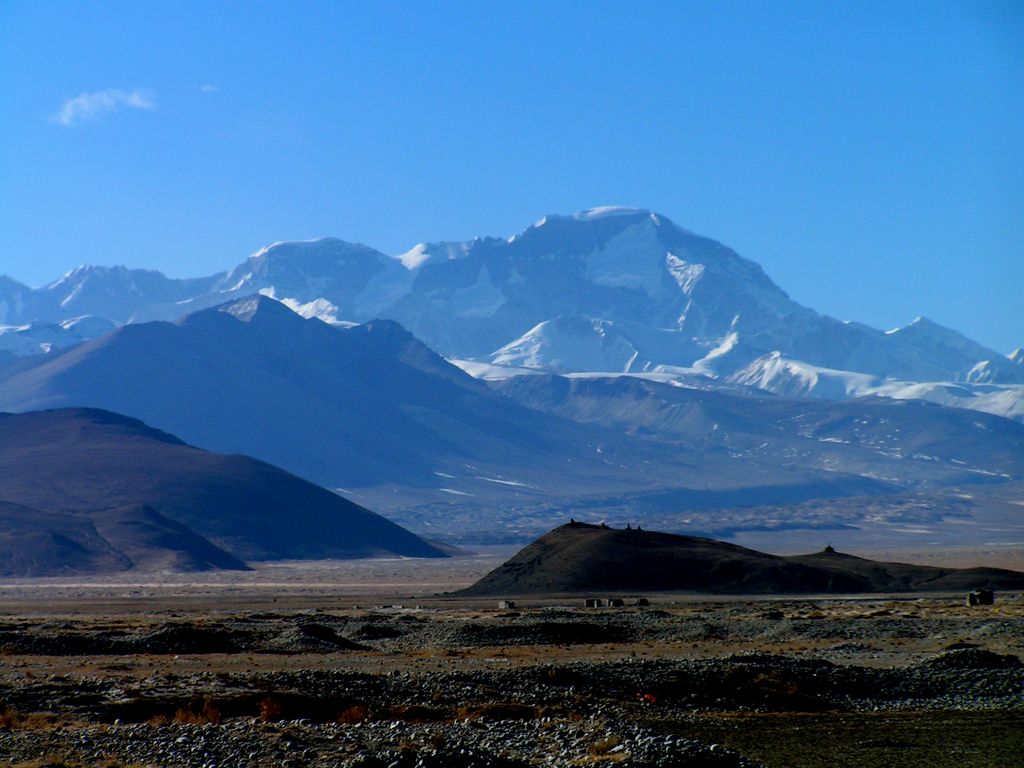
(981, 597)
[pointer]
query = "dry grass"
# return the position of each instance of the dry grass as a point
(59, 761)
(202, 712)
(353, 714)
(270, 710)
(604, 746)
(607, 750)
(500, 711)
(13, 720)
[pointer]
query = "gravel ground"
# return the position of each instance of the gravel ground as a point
(471, 687)
(469, 744)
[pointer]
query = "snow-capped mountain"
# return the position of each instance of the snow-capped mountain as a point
(42, 338)
(794, 378)
(608, 289)
(354, 279)
(118, 294)
(565, 344)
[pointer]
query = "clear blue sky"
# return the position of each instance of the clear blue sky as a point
(869, 155)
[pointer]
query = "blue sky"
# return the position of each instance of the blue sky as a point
(868, 155)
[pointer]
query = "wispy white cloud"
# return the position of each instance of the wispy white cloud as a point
(89, 106)
(209, 88)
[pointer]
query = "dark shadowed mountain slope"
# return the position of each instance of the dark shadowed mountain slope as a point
(371, 410)
(35, 543)
(154, 499)
(579, 557)
(342, 407)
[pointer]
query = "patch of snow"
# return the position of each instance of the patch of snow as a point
(502, 482)
(414, 257)
(686, 275)
(794, 378)
(633, 258)
(454, 492)
(321, 309)
(491, 372)
(425, 253)
(605, 211)
(705, 365)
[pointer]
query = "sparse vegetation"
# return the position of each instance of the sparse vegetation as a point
(713, 664)
(200, 712)
(353, 714)
(270, 710)
(604, 746)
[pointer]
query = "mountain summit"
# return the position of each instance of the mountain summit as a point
(606, 289)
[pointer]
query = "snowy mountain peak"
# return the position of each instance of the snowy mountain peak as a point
(611, 288)
(571, 344)
(118, 273)
(595, 214)
(1017, 356)
(604, 211)
(426, 253)
(353, 278)
(250, 308)
(316, 245)
(923, 324)
(313, 256)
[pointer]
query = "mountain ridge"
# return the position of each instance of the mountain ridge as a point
(680, 300)
(371, 411)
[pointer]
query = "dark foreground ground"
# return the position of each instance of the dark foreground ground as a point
(315, 677)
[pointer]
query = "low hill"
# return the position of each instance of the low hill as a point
(580, 557)
(85, 490)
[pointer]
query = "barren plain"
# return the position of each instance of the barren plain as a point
(370, 663)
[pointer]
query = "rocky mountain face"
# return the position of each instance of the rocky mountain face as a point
(610, 289)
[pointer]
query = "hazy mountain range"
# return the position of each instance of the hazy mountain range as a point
(620, 365)
(611, 289)
(370, 411)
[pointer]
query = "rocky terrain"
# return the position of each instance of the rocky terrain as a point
(456, 682)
